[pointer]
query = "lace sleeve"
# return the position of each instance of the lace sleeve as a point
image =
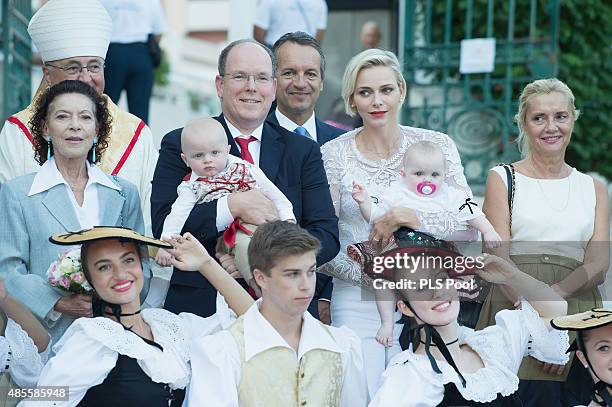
(23, 360)
(455, 175)
(333, 169)
(346, 269)
(545, 344)
(525, 334)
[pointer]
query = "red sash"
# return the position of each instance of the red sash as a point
(129, 148)
(22, 127)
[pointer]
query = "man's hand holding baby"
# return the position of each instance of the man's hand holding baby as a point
(252, 207)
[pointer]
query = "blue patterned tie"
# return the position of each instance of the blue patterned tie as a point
(302, 132)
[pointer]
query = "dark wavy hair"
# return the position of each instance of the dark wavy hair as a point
(37, 123)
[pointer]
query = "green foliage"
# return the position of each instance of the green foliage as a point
(584, 60)
(585, 64)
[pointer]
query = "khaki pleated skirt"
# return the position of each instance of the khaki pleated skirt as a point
(549, 269)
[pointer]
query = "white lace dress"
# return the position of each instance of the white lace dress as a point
(410, 380)
(96, 344)
(344, 164)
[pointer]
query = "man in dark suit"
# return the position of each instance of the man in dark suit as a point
(299, 74)
(246, 87)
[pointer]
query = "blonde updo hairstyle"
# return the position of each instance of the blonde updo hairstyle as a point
(367, 59)
(537, 88)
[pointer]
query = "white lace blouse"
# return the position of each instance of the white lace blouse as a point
(344, 164)
(516, 333)
(97, 342)
(19, 356)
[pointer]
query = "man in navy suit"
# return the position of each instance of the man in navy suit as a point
(246, 87)
(299, 74)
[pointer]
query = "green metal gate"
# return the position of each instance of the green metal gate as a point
(476, 110)
(16, 56)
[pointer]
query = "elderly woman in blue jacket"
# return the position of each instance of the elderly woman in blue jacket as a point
(70, 132)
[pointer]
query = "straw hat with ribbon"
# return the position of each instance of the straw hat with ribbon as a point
(105, 232)
(409, 242)
(592, 319)
(98, 233)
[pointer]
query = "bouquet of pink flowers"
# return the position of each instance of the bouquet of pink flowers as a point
(66, 273)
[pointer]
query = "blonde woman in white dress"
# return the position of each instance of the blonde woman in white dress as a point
(558, 225)
(373, 88)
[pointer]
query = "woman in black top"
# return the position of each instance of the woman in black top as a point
(445, 364)
(124, 356)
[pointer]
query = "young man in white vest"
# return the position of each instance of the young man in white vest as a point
(277, 354)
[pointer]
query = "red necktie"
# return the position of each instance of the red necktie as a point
(245, 154)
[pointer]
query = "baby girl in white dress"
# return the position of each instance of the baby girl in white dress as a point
(421, 187)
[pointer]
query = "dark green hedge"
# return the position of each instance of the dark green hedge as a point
(585, 64)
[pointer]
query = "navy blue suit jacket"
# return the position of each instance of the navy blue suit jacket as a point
(325, 133)
(293, 164)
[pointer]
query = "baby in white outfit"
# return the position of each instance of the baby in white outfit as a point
(421, 188)
(216, 173)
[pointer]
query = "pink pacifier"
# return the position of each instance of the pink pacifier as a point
(426, 188)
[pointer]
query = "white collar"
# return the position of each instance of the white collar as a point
(236, 133)
(49, 176)
(310, 125)
(260, 335)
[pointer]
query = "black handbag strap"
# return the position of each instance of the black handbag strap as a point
(511, 183)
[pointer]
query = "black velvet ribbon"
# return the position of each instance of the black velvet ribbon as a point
(468, 203)
(411, 334)
(602, 391)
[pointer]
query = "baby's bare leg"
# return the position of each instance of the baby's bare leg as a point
(385, 307)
